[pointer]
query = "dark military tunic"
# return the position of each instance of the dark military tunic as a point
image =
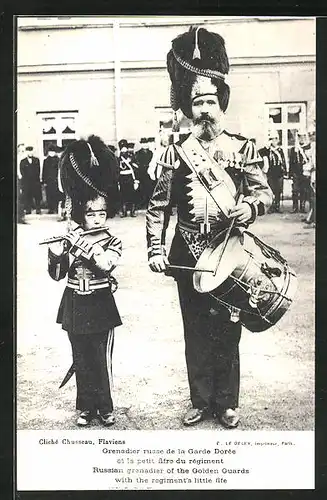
(211, 339)
(300, 185)
(276, 172)
(50, 179)
(143, 158)
(31, 185)
(127, 176)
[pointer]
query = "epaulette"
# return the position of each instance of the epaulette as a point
(168, 158)
(235, 136)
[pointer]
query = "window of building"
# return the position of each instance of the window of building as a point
(287, 119)
(57, 128)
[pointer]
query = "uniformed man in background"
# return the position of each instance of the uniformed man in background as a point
(31, 183)
(50, 179)
(297, 160)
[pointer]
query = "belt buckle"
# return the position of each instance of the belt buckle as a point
(84, 286)
(205, 228)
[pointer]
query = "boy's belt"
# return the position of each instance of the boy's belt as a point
(85, 286)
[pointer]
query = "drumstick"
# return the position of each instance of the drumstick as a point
(187, 268)
(230, 227)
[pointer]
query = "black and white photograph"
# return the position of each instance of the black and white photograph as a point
(166, 201)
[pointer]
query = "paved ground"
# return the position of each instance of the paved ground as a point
(150, 382)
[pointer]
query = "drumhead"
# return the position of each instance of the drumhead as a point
(204, 282)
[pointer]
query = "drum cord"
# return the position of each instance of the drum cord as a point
(271, 292)
(230, 308)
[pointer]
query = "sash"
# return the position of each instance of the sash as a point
(212, 176)
(130, 168)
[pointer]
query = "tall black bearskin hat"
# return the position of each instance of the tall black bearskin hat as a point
(89, 171)
(195, 54)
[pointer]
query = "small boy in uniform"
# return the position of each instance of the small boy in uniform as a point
(88, 255)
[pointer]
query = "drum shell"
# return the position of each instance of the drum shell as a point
(234, 291)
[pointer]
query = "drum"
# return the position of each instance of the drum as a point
(252, 279)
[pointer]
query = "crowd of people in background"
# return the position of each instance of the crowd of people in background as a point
(139, 172)
(36, 187)
(302, 172)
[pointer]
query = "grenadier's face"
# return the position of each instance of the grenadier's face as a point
(207, 116)
(94, 219)
(301, 138)
(29, 153)
(274, 141)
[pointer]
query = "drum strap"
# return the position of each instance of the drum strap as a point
(191, 148)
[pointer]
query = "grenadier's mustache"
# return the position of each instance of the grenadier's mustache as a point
(204, 118)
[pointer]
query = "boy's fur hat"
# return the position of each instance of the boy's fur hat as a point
(88, 169)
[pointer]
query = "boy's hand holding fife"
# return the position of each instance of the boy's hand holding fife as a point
(78, 245)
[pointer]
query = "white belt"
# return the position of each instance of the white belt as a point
(85, 286)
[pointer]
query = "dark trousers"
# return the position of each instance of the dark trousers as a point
(299, 192)
(52, 197)
(20, 202)
(211, 350)
(32, 197)
(91, 353)
(276, 185)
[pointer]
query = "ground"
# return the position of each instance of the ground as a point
(150, 381)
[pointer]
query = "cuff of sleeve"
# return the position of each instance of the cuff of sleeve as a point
(156, 250)
(257, 206)
(254, 210)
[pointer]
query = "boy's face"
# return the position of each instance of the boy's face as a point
(94, 219)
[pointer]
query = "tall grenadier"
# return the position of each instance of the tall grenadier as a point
(210, 160)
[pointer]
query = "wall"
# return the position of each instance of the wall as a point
(67, 69)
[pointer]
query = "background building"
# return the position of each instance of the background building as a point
(107, 75)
